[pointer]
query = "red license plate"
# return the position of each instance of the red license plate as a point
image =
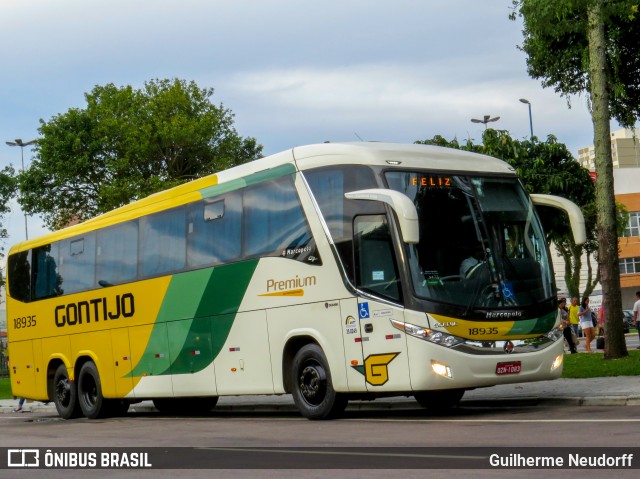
(513, 367)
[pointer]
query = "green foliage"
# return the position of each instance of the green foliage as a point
(5, 389)
(591, 46)
(126, 144)
(557, 48)
(7, 191)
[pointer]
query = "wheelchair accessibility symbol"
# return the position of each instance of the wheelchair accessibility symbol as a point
(363, 310)
(507, 291)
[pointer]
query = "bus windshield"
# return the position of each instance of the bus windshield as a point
(481, 244)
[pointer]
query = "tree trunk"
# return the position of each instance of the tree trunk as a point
(615, 346)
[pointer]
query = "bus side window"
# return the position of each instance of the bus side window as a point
(162, 242)
(376, 268)
(117, 253)
(46, 277)
(77, 263)
(19, 272)
(273, 218)
(213, 232)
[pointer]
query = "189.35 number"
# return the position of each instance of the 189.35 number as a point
(24, 322)
(482, 331)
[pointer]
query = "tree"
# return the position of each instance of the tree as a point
(547, 167)
(126, 144)
(592, 46)
(7, 191)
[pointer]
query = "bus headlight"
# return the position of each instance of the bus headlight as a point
(437, 337)
(555, 334)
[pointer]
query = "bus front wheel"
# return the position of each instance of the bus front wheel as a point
(65, 394)
(439, 400)
(312, 390)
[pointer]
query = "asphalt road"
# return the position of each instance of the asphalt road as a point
(250, 436)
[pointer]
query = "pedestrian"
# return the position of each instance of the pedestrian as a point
(566, 325)
(20, 404)
(574, 319)
(475, 258)
(586, 323)
(636, 313)
(601, 320)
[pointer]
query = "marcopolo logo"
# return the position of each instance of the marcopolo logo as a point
(23, 458)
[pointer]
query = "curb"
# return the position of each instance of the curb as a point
(496, 402)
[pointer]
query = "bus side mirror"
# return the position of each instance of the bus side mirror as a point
(404, 208)
(576, 219)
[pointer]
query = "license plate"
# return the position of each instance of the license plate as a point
(513, 367)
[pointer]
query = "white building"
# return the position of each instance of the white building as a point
(625, 150)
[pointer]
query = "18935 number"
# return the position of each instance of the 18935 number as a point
(24, 322)
(482, 331)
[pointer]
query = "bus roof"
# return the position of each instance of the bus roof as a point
(408, 155)
(299, 158)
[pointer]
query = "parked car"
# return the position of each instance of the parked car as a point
(627, 319)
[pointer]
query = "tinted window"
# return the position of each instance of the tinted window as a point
(214, 230)
(163, 242)
(376, 269)
(117, 253)
(45, 274)
(19, 272)
(328, 186)
(77, 263)
(274, 220)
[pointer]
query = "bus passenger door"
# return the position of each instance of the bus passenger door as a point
(385, 366)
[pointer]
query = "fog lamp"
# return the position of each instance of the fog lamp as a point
(441, 369)
(557, 362)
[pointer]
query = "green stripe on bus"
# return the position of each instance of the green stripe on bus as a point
(539, 325)
(252, 179)
(195, 318)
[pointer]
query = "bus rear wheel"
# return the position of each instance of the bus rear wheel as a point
(65, 394)
(439, 400)
(313, 391)
(92, 403)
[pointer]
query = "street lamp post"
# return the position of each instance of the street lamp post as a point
(22, 144)
(528, 103)
(485, 120)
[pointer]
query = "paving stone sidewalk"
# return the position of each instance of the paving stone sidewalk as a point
(610, 391)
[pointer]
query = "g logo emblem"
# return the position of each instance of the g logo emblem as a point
(375, 369)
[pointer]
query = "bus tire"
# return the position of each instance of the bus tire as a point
(92, 402)
(185, 406)
(439, 400)
(312, 388)
(65, 394)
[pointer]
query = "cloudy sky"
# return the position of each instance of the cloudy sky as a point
(293, 72)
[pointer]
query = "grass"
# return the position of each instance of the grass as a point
(581, 365)
(5, 389)
(585, 365)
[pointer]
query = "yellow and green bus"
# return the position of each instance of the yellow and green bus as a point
(329, 272)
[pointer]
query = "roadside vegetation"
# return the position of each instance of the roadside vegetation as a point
(585, 365)
(5, 389)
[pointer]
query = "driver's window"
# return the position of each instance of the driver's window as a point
(376, 267)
